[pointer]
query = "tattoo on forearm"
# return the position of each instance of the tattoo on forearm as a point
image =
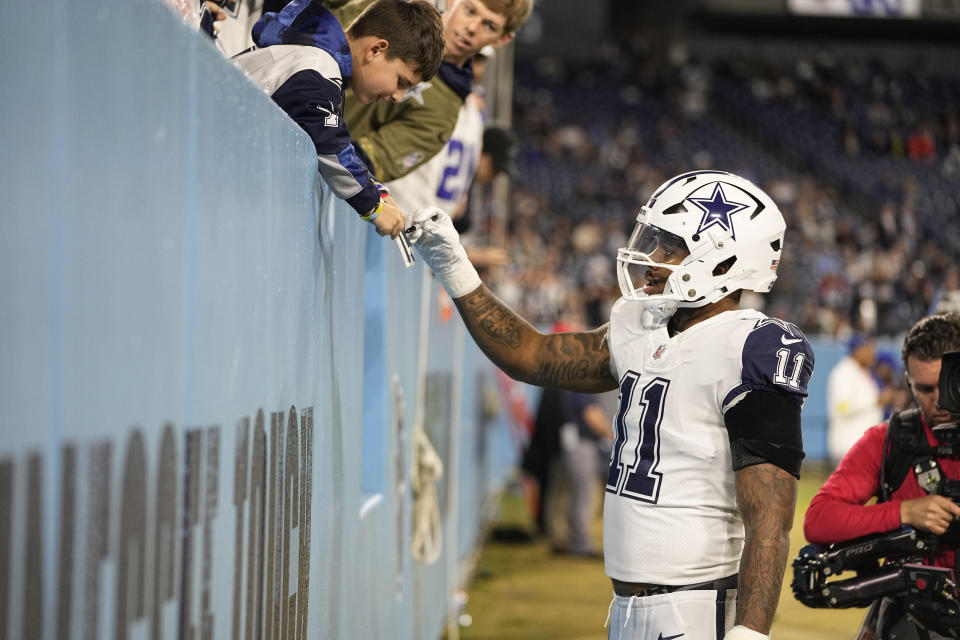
(602, 370)
(767, 497)
(572, 356)
(577, 360)
(553, 372)
(494, 318)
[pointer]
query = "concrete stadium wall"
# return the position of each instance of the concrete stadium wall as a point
(210, 366)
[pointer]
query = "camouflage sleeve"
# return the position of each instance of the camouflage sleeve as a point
(346, 11)
(398, 138)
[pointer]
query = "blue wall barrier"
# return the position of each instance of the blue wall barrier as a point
(211, 368)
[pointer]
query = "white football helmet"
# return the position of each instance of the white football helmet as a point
(693, 226)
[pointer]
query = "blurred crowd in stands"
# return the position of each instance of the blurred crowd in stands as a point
(862, 155)
(863, 160)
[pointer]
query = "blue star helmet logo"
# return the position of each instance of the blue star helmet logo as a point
(717, 211)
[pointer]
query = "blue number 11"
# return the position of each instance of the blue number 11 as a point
(637, 477)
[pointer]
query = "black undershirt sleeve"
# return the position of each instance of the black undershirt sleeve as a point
(765, 427)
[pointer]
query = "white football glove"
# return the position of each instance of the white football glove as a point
(438, 243)
(741, 632)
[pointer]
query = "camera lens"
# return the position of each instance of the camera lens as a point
(949, 382)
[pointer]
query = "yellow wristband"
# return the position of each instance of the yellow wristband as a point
(376, 211)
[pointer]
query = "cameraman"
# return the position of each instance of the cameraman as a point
(840, 512)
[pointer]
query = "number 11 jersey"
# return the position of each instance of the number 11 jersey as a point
(670, 510)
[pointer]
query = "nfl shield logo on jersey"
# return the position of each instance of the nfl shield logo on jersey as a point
(659, 352)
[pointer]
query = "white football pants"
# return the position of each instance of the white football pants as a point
(681, 615)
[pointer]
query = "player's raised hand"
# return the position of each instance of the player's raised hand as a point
(390, 220)
(438, 243)
(931, 513)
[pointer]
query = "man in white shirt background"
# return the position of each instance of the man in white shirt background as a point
(855, 400)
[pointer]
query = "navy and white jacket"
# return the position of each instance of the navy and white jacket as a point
(303, 61)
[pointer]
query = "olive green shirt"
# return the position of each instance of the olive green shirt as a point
(398, 137)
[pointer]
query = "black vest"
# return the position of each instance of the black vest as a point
(906, 447)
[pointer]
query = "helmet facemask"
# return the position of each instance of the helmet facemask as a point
(647, 268)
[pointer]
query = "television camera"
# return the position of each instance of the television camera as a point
(929, 594)
(897, 564)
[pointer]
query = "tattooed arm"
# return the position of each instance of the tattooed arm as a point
(767, 497)
(575, 361)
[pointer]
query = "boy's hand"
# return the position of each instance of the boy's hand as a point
(216, 11)
(390, 220)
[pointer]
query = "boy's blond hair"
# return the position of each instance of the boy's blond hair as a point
(515, 11)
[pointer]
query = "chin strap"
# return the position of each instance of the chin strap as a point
(741, 632)
(656, 313)
(651, 320)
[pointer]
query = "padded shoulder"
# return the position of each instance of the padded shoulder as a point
(776, 356)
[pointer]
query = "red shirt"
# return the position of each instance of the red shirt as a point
(838, 511)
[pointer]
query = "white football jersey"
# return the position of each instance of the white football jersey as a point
(670, 511)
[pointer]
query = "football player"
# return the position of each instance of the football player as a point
(702, 484)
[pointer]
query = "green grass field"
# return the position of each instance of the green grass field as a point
(521, 591)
